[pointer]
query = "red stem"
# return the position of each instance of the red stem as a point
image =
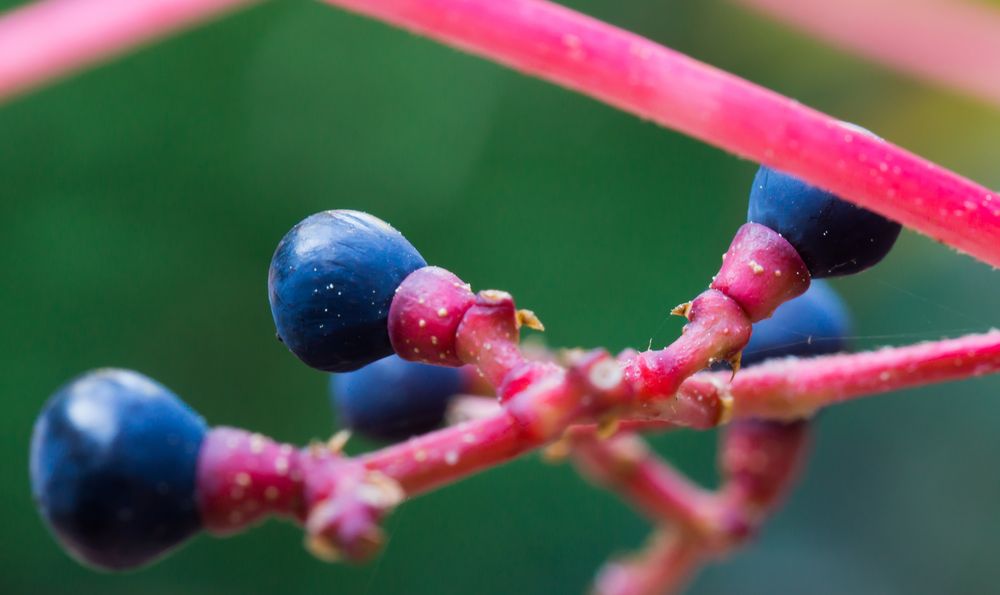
(625, 465)
(49, 39)
(790, 388)
(784, 389)
(426, 462)
(642, 77)
(54, 37)
(664, 566)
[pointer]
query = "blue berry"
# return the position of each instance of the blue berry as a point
(815, 323)
(833, 237)
(393, 399)
(331, 282)
(113, 466)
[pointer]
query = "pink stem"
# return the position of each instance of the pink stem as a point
(779, 390)
(429, 461)
(49, 39)
(625, 465)
(666, 564)
(791, 388)
(642, 77)
(955, 43)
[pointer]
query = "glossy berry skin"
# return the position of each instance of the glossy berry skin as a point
(815, 323)
(113, 466)
(331, 282)
(393, 399)
(833, 237)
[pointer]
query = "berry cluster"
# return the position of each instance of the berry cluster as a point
(122, 470)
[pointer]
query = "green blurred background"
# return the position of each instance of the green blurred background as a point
(140, 204)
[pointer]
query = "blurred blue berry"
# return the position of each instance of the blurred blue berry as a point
(393, 399)
(815, 323)
(113, 466)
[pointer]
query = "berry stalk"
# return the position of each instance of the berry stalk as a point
(445, 456)
(49, 39)
(639, 76)
(665, 565)
(759, 461)
(792, 388)
(624, 464)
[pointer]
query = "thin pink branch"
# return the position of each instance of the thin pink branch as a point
(642, 77)
(625, 465)
(50, 39)
(664, 566)
(955, 43)
(790, 388)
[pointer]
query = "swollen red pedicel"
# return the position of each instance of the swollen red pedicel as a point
(488, 336)
(425, 314)
(761, 271)
(243, 477)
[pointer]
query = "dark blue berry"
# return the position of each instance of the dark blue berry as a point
(331, 282)
(833, 237)
(393, 399)
(815, 323)
(113, 465)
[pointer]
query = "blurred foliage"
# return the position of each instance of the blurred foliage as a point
(141, 202)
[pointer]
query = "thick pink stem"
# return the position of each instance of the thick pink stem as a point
(639, 76)
(955, 43)
(49, 39)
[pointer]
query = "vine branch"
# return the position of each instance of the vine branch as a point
(51, 38)
(639, 76)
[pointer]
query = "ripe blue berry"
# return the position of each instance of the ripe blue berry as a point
(833, 237)
(815, 323)
(331, 282)
(113, 464)
(393, 399)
